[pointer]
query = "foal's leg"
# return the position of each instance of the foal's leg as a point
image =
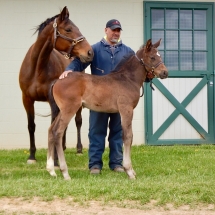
(56, 132)
(51, 149)
(63, 120)
(55, 112)
(53, 116)
(29, 107)
(55, 151)
(126, 121)
(78, 121)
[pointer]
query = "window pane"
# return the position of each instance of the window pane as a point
(186, 40)
(171, 39)
(162, 54)
(200, 40)
(157, 18)
(199, 19)
(186, 19)
(157, 35)
(186, 61)
(200, 61)
(172, 60)
(172, 19)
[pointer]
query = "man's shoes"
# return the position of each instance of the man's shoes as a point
(119, 169)
(95, 171)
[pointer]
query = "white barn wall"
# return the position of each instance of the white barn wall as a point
(18, 18)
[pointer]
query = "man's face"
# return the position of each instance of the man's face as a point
(113, 35)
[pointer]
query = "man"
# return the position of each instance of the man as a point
(107, 54)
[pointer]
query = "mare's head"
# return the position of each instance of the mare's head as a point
(66, 37)
(151, 60)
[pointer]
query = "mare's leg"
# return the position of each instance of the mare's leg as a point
(78, 121)
(126, 120)
(29, 107)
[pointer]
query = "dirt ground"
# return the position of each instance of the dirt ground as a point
(13, 206)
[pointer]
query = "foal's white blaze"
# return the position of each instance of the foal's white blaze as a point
(158, 54)
(50, 166)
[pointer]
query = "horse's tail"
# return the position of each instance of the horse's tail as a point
(54, 108)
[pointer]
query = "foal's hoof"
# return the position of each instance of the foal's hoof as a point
(31, 161)
(66, 175)
(52, 173)
(131, 174)
(132, 177)
(67, 178)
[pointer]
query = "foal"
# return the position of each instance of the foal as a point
(112, 93)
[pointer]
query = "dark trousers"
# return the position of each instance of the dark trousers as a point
(99, 122)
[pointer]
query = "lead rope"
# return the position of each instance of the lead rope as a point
(142, 92)
(151, 85)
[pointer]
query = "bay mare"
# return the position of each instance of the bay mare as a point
(118, 91)
(44, 62)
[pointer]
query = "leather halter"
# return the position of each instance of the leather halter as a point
(149, 73)
(73, 41)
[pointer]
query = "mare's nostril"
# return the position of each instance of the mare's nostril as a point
(90, 53)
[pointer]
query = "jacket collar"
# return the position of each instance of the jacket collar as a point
(104, 41)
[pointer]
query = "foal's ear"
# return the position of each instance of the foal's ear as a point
(148, 45)
(64, 14)
(157, 43)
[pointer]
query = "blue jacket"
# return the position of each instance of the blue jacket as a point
(104, 61)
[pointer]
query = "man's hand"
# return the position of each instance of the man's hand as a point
(64, 74)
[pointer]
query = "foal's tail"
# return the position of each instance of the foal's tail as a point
(54, 108)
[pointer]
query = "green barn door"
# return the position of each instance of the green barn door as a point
(181, 108)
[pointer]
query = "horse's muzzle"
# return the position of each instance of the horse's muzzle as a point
(88, 58)
(163, 74)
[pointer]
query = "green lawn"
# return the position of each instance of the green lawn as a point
(168, 174)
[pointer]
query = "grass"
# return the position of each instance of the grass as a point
(168, 174)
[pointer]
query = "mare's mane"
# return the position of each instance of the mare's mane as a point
(40, 27)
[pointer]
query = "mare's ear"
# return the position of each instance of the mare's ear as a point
(148, 45)
(157, 43)
(64, 14)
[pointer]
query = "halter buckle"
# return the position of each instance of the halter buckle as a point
(66, 56)
(74, 42)
(55, 25)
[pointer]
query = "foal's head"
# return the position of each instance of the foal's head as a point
(66, 37)
(151, 59)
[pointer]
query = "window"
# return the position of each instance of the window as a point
(184, 36)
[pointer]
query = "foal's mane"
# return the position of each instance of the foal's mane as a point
(125, 59)
(122, 62)
(40, 27)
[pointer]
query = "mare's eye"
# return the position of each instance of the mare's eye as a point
(68, 30)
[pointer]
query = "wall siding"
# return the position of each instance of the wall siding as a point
(18, 20)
